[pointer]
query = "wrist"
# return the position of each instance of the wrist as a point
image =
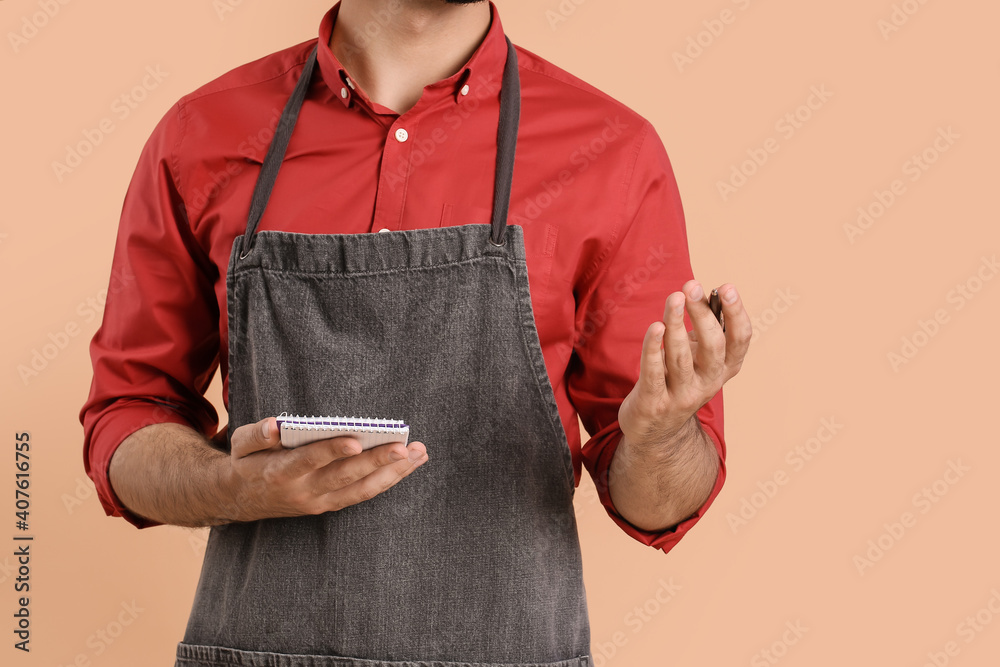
(659, 441)
(233, 501)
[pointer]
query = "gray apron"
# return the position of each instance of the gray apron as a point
(472, 560)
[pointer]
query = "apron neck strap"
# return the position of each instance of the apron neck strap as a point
(510, 114)
(510, 108)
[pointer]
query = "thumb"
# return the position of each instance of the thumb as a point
(651, 369)
(251, 438)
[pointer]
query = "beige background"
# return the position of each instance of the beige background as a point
(780, 235)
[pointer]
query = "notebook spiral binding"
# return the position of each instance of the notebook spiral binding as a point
(337, 422)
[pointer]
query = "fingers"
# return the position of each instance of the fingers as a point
(307, 458)
(363, 477)
(651, 379)
(376, 482)
(256, 437)
(325, 475)
(345, 472)
(676, 344)
(709, 358)
(739, 330)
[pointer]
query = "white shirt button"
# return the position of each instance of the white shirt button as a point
(465, 89)
(343, 93)
(384, 229)
(350, 83)
(401, 135)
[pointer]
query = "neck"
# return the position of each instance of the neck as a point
(393, 48)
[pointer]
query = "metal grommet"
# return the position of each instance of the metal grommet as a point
(499, 245)
(244, 253)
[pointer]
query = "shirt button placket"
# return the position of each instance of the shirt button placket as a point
(387, 210)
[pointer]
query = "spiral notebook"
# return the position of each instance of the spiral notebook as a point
(298, 430)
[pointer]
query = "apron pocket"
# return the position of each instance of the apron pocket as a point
(194, 655)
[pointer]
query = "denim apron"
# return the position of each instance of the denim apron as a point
(471, 561)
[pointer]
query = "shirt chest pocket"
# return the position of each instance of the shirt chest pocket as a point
(454, 214)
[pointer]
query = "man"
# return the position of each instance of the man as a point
(370, 253)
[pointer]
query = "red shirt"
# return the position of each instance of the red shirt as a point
(593, 189)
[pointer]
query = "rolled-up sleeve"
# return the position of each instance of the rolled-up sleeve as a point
(157, 348)
(617, 303)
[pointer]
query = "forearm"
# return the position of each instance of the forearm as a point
(171, 474)
(654, 486)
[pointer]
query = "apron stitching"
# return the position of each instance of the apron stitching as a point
(274, 659)
(231, 325)
(362, 274)
(547, 396)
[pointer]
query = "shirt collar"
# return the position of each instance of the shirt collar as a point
(481, 75)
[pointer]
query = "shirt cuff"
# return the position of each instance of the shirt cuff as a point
(111, 428)
(604, 452)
